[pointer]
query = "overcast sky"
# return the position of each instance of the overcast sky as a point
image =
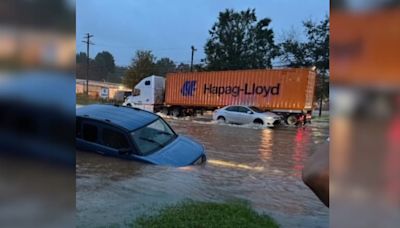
(169, 27)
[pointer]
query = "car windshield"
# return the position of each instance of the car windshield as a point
(153, 137)
(255, 109)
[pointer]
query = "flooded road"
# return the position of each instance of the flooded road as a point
(261, 166)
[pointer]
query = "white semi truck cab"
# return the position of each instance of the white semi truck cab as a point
(148, 94)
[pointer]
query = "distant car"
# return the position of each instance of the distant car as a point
(245, 115)
(134, 134)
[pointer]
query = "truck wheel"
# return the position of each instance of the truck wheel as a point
(129, 105)
(164, 111)
(188, 112)
(258, 121)
(291, 120)
(176, 112)
(221, 119)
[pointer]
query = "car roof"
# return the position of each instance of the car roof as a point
(237, 106)
(124, 117)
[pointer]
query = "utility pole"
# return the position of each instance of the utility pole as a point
(88, 43)
(191, 63)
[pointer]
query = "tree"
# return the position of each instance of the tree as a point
(313, 52)
(183, 67)
(81, 63)
(81, 57)
(238, 41)
(142, 66)
(102, 67)
(164, 66)
(105, 61)
(199, 67)
(118, 74)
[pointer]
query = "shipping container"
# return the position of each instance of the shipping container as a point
(271, 89)
(286, 92)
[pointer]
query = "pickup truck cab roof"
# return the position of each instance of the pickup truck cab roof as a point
(122, 116)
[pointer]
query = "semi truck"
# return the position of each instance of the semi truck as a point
(287, 92)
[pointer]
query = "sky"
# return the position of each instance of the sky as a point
(170, 27)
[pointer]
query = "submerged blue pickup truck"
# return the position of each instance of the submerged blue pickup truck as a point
(134, 134)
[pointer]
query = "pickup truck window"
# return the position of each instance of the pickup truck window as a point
(114, 139)
(89, 132)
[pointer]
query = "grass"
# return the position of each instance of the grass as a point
(206, 214)
(83, 99)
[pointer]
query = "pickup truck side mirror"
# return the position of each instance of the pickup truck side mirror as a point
(250, 112)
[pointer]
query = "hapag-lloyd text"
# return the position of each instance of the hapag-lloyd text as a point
(246, 90)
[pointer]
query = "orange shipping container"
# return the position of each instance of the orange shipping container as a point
(283, 89)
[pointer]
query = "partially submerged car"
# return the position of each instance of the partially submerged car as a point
(134, 134)
(241, 114)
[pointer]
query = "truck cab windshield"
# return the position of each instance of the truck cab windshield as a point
(136, 92)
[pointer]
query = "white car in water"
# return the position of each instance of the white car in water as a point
(240, 114)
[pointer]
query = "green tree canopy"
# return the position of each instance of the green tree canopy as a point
(239, 41)
(81, 57)
(117, 75)
(183, 67)
(313, 52)
(164, 66)
(143, 65)
(105, 61)
(102, 67)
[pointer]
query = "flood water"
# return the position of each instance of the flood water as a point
(260, 166)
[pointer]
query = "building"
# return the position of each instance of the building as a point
(105, 90)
